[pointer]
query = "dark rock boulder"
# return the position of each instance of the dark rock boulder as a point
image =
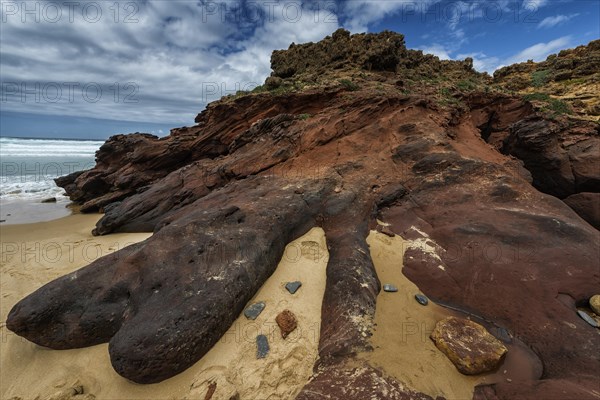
(158, 322)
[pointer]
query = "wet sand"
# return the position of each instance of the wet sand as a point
(32, 211)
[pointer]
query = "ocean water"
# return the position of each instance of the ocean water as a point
(29, 166)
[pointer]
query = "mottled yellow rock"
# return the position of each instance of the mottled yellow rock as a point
(595, 304)
(470, 347)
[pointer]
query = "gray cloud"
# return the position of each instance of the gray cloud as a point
(152, 61)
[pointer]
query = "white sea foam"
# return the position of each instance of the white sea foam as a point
(16, 147)
(29, 166)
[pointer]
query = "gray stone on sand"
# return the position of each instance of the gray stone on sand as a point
(293, 287)
(586, 317)
(262, 346)
(254, 310)
(388, 287)
(421, 299)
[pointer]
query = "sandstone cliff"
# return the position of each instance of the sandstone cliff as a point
(346, 131)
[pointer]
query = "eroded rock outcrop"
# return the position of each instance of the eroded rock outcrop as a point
(559, 154)
(338, 148)
(571, 77)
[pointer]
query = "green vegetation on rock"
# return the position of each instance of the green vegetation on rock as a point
(349, 85)
(539, 78)
(556, 106)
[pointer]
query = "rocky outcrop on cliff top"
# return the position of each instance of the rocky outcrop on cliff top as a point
(357, 132)
(572, 76)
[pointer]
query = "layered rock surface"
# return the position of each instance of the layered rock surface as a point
(363, 128)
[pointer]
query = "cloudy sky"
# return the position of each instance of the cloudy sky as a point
(90, 69)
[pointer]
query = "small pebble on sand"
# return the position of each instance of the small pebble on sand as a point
(421, 299)
(254, 310)
(293, 287)
(388, 287)
(262, 346)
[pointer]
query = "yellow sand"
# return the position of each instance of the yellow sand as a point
(34, 254)
(401, 336)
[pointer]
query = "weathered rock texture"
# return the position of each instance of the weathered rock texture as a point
(345, 382)
(470, 347)
(587, 205)
(338, 148)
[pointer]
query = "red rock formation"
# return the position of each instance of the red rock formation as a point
(338, 148)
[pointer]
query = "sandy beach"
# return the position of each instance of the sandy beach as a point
(34, 254)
